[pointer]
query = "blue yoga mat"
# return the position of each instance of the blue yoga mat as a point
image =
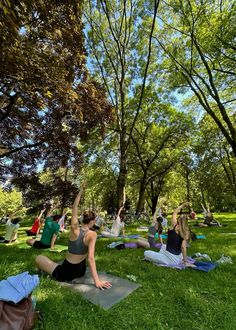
(204, 266)
(129, 236)
(165, 236)
(201, 236)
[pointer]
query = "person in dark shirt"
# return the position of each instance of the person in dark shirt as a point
(178, 234)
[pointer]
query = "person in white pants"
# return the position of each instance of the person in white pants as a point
(117, 226)
(175, 250)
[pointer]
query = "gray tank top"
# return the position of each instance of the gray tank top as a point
(78, 246)
(152, 231)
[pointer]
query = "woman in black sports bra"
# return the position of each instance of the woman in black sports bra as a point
(81, 246)
(175, 250)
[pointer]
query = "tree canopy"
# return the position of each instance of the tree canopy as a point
(137, 96)
(48, 101)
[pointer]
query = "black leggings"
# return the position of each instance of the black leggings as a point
(68, 271)
(30, 233)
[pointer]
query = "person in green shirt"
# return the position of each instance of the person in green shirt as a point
(49, 235)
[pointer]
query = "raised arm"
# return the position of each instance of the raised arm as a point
(49, 211)
(208, 207)
(119, 212)
(65, 212)
(74, 218)
(175, 213)
(41, 213)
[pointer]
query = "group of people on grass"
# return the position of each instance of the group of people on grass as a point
(82, 241)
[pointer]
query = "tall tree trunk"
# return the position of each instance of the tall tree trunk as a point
(155, 193)
(121, 181)
(141, 200)
(202, 194)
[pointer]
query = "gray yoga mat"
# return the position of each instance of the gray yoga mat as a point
(106, 298)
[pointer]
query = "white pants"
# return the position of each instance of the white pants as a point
(108, 234)
(163, 257)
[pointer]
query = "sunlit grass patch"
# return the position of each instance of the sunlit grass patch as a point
(167, 299)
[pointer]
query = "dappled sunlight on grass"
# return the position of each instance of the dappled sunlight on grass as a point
(167, 299)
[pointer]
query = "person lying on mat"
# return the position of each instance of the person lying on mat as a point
(117, 226)
(50, 232)
(36, 225)
(177, 236)
(81, 246)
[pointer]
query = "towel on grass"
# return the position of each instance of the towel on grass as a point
(17, 287)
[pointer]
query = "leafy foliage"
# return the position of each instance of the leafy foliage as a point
(11, 203)
(47, 99)
(197, 46)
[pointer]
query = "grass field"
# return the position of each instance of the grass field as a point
(167, 299)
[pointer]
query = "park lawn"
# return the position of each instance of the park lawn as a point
(167, 299)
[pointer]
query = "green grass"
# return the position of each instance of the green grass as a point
(167, 299)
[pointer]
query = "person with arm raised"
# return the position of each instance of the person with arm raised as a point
(81, 246)
(175, 250)
(36, 225)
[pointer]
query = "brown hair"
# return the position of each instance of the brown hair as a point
(88, 216)
(16, 221)
(56, 217)
(183, 226)
(159, 225)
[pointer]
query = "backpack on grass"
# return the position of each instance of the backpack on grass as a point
(20, 316)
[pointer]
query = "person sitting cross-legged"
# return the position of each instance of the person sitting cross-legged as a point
(81, 246)
(175, 250)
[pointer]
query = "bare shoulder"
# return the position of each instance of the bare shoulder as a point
(91, 235)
